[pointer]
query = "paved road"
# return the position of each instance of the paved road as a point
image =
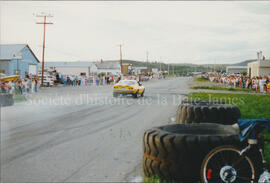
(83, 134)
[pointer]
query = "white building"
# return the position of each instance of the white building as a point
(236, 69)
(81, 68)
(70, 68)
(140, 70)
(260, 67)
(155, 70)
(107, 67)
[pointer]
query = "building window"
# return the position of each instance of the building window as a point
(17, 72)
(2, 71)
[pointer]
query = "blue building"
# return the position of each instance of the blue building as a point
(18, 59)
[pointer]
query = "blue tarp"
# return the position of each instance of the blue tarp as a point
(251, 127)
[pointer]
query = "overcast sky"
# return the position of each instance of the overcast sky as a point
(173, 32)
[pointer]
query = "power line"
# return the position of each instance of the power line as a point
(64, 52)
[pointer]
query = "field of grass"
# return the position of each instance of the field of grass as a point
(251, 106)
(201, 80)
(221, 88)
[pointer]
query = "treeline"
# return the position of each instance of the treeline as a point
(177, 69)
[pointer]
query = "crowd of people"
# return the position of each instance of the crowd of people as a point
(72, 80)
(259, 84)
(21, 86)
(33, 84)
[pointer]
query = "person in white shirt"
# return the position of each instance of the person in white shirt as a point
(32, 86)
(262, 83)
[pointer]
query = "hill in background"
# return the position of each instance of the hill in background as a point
(244, 63)
(178, 69)
(184, 68)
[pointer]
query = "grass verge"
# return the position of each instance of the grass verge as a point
(221, 88)
(251, 106)
(157, 179)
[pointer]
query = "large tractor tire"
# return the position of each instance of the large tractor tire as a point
(207, 113)
(200, 102)
(176, 152)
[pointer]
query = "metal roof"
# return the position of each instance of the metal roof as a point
(99, 65)
(236, 67)
(68, 64)
(8, 51)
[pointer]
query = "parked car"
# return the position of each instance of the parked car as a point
(48, 80)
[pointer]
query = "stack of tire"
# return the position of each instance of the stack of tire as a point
(201, 111)
(176, 152)
(6, 99)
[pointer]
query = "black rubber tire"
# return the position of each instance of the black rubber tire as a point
(135, 95)
(115, 94)
(142, 93)
(175, 152)
(206, 102)
(211, 113)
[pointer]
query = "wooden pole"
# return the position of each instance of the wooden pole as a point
(43, 48)
(121, 62)
(43, 51)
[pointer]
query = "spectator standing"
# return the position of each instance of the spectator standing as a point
(268, 87)
(6, 87)
(262, 84)
(32, 86)
(103, 80)
(2, 87)
(11, 87)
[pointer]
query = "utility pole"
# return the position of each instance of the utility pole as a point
(173, 69)
(147, 64)
(160, 64)
(168, 69)
(44, 16)
(121, 61)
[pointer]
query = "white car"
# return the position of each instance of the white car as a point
(47, 80)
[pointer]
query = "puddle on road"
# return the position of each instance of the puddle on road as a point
(136, 175)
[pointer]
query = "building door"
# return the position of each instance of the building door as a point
(33, 69)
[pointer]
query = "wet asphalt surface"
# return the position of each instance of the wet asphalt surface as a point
(83, 134)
